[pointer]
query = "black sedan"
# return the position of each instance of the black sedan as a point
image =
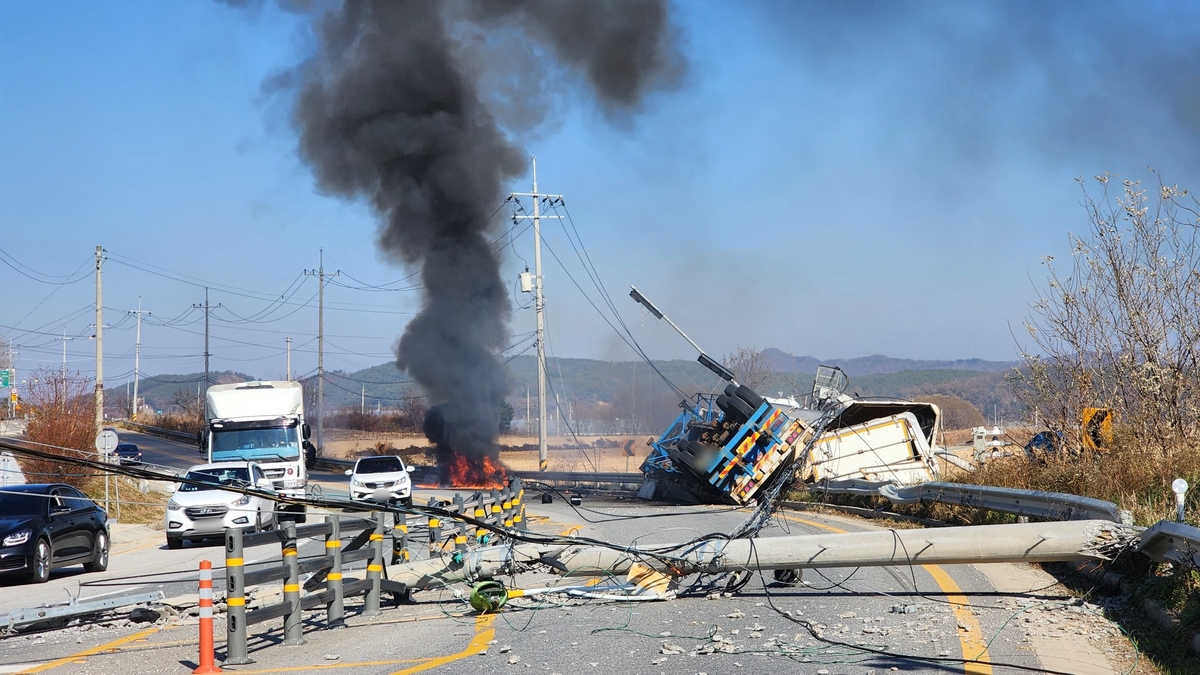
(48, 526)
(128, 453)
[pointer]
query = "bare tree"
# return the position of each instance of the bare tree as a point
(749, 367)
(1121, 328)
(61, 419)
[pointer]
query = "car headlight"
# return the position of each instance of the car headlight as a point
(242, 501)
(172, 505)
(17, 538)
(356, 483)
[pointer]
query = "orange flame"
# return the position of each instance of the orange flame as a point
(475, 472)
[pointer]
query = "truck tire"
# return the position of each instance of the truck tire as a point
(734, 407)
(747, 394)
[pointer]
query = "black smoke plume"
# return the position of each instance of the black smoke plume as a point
(395, 106)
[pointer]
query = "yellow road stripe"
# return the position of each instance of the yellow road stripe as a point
(483, 634)
(973, 644)
(136, 548)
(93, 651)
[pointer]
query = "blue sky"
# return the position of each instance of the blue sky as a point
(835, 180)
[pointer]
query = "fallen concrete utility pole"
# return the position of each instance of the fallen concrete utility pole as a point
(1022, 542)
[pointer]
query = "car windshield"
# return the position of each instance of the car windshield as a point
(238, 476)
(22, 504)
(125, 447)
(279, 444)
(379, 465)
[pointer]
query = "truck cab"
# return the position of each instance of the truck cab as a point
(261, 422)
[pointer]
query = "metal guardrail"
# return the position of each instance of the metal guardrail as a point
(238, 619)
(610, 477)
(1052, 505)
(26, 617)
(1172, 542)
(165, 433)
(497, 508)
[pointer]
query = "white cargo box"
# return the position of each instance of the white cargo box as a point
(888, 448)
(255, 400)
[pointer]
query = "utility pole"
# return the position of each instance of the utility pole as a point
(12, 379)
(362, 404)
(289, 358)
(539, 302)
(207, 308)
(137, 360)
(99, 358)
(319, 273)
(63, 340)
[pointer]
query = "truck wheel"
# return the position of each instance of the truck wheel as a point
(734, 407)
(747, 394)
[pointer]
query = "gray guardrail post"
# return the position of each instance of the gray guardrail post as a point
(497, 508)
(236, 651)
(480, 514)
(293, 625)
(435, 531)
(335, 614)
(519, 505)
(400, 552)
(375, 568)
(507, 507)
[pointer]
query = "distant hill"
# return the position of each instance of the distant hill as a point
(630, 396)
(876, 364)
(164, 391)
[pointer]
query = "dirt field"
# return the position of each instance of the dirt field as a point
(605, 453)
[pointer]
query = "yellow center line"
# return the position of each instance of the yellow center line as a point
(483, 635)
(137, 548)
(91, 652)
(973, 645)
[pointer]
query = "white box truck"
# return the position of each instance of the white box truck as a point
(261, 422)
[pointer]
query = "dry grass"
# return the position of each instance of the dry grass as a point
(1132, 475)
(128, 504)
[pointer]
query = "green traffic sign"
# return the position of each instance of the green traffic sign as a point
(4, 376)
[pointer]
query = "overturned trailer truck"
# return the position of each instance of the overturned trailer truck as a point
(738, 446)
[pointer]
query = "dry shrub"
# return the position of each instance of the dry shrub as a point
(61, 417)
(188, 424)
(1135, 476)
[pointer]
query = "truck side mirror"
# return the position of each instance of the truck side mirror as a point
(306, 431)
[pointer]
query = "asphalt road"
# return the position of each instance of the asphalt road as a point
(1003, 614)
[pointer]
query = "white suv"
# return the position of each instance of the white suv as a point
(381, 479)
(199, 512)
